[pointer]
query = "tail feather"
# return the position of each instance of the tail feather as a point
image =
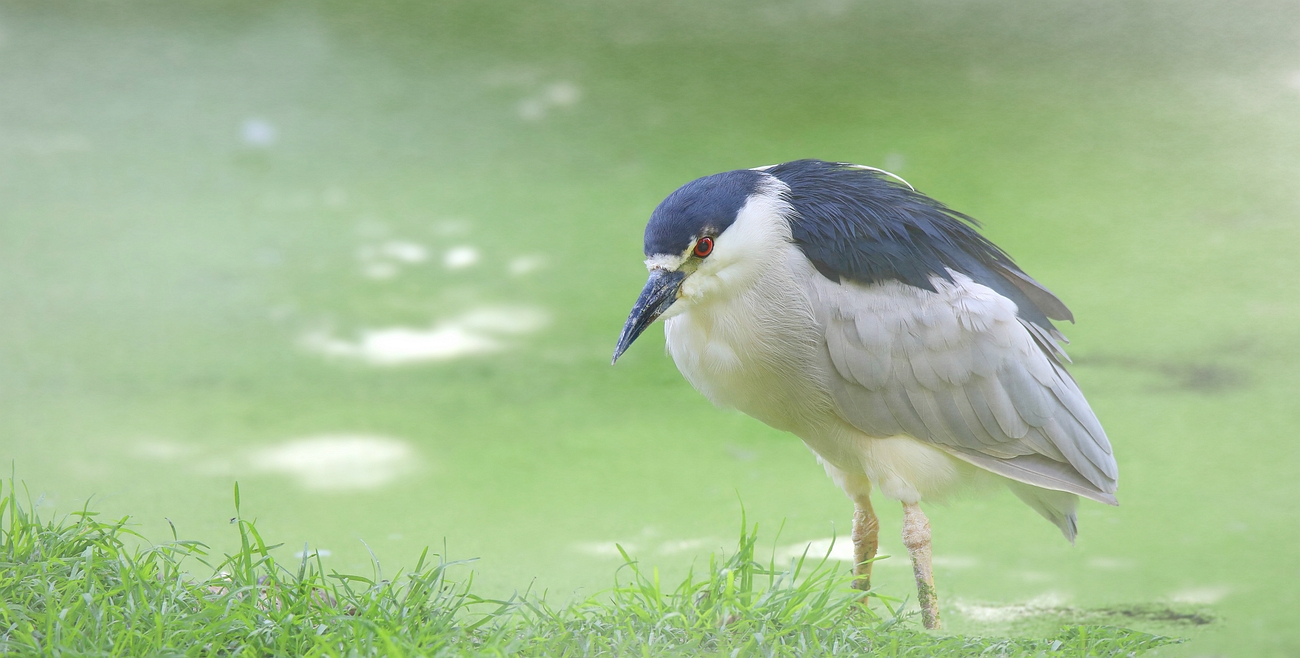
(1055, 506)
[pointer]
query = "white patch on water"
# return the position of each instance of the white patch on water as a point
(479, 331)
(1201, 595)
(406, 252)
(338, 462)
(990, 613)
(522, 265)
(458, 258)
(326, 462)
(561, 94)
(1048, 600)
(385, 260)
(399, 345)
(258, 133)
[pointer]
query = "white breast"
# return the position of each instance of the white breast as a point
(752, 351)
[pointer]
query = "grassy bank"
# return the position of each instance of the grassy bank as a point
(77, 585)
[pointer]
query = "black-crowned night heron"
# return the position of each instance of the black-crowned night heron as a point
(873, 322)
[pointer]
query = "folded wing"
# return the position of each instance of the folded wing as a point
(958, 368)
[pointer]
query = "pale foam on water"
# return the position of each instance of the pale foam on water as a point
(338, 461)
(325, 462)
(478, 331)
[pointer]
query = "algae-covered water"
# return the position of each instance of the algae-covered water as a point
(370, 259)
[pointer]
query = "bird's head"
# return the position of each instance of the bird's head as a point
(705, 241)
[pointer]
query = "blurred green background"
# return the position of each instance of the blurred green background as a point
(369, 259)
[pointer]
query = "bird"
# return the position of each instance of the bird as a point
(912, 355)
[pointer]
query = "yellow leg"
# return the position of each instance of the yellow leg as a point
(916, 537)
(866, 530)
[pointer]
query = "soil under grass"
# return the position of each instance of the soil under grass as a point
(77, 585)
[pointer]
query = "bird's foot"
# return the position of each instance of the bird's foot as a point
(863, 584)
(866, 528)
(916, 537)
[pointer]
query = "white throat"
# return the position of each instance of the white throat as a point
(753, 245)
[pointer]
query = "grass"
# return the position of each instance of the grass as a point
(80, 586)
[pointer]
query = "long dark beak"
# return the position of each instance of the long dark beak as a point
(659, 293)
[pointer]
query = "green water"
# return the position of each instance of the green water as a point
(205, 207)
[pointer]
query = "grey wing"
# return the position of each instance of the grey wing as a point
(958, 369)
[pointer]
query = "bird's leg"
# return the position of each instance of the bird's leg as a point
(916, 537)
(866, 529)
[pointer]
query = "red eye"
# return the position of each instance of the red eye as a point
(704, 247)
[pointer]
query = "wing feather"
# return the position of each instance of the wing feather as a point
(900, 406)
(958, 368)
(1004, 410)
(923, 401)
(1033, 402)
(981, 406)
(959, 415)
(879, 415)
(1039, 295)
